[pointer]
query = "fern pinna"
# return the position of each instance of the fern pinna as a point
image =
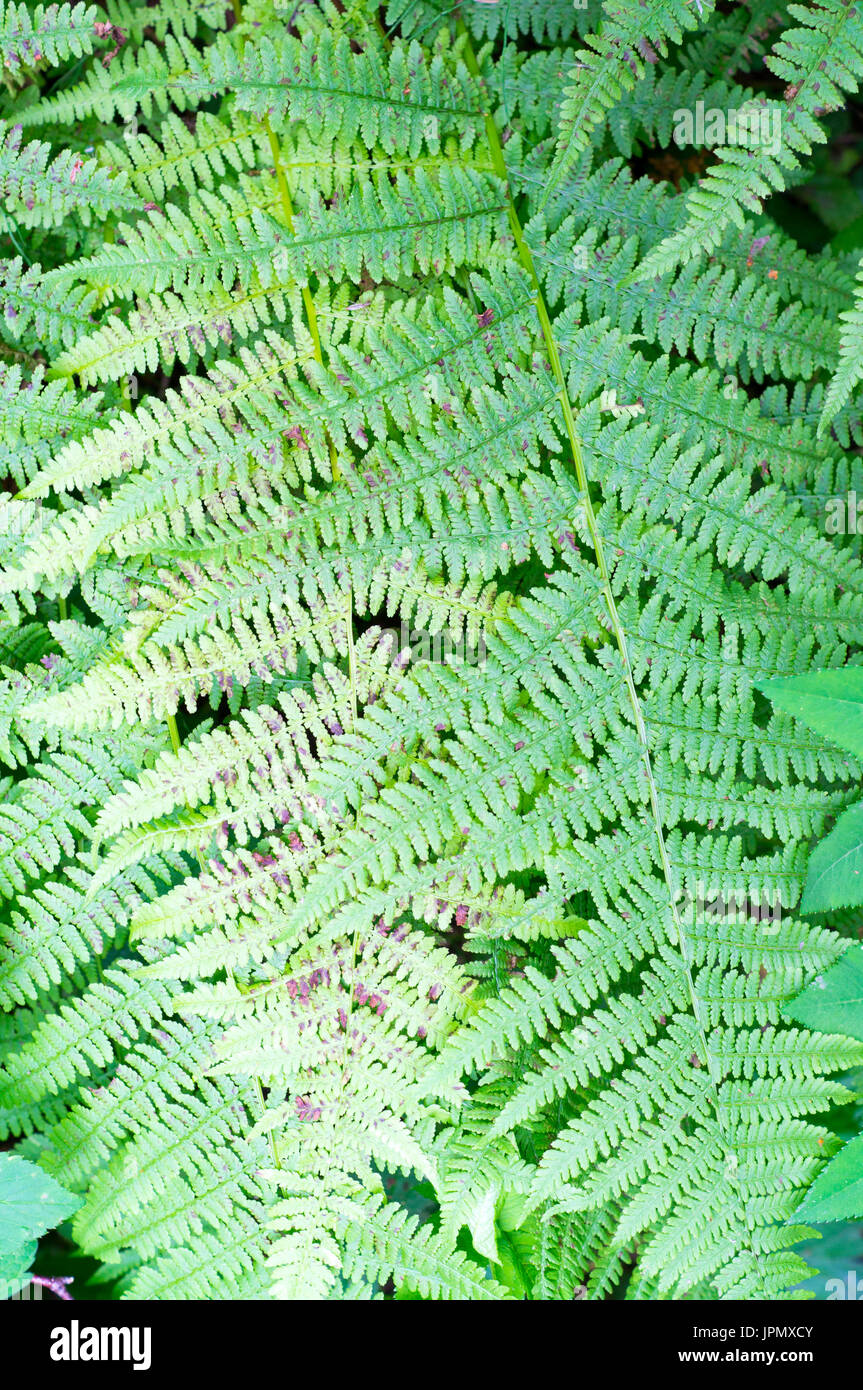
(399, 864)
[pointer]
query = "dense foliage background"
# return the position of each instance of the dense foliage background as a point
(430, 644)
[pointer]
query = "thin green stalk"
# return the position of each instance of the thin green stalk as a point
(174, 735)
(527, 262)
(173, 732)
(314, 331)
(312, 320)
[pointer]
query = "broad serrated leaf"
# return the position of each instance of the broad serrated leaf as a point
(829, 701)
(833, 1002)
(837, 1194)
(31, 1203)
(835, 877)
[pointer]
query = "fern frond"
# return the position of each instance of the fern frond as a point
(36, 193)
(27, 305)
(629, 36)
(821, 59)
(851, 358)
(416, 224)
(395, 98)
(400, 862)
(99, 95)
(51, 33)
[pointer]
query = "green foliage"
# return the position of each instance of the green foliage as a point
(832, 703)
(836, 997)
(821, 59)
(31, 1202)
(829, 701)
(49, 33)
(850, 368)
(837, 1195)
(424, 671)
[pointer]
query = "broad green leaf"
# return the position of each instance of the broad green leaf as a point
(833, 1003)
(31, 1203)
(14, 1268)
(831, 702)
(835, 877)
(480, 1223)
(837, 1195)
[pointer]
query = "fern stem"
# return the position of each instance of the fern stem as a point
(527, 262)
(352, 657)
(173, 732)
(174, 735)
(288, 212)
(314, 330)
